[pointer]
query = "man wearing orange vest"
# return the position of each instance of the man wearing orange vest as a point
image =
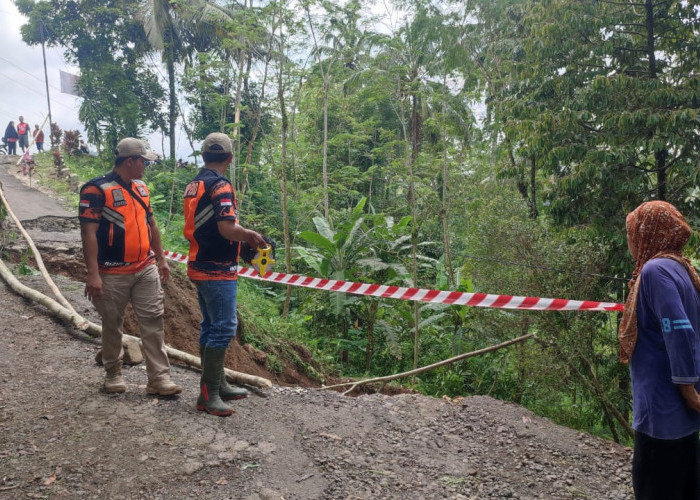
(125, 263)
(212, 228)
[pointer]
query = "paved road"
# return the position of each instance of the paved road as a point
(29, 204)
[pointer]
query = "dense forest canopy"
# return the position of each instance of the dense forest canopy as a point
(474, 145)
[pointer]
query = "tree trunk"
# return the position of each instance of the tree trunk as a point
(533, 188)
(371, 320)
(172, 115)
(256, 126)
(325, 76)
(591, 383)
(285, 125)
(237, 119)
(423, 369)
(326, 209)
(445, 208)
(661, 155)
(411, 156)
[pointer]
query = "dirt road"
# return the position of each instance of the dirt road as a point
(61, 437)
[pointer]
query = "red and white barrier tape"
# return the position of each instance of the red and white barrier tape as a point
(424, 295)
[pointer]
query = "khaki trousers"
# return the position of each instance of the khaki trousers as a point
(144, 291)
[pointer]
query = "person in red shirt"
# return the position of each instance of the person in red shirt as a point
(23, 132)
(38, 138)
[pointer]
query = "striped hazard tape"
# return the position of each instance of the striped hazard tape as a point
(422, 294)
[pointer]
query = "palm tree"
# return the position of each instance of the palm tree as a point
(165, 23)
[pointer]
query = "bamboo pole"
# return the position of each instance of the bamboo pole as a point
(67, 315)
(93, 329)
(65, 311)
(429, 367)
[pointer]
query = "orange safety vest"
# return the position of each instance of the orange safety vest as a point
(123, 212)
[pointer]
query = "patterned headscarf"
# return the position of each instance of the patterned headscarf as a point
(654, 229)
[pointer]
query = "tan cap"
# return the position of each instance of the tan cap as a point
(134, 147)
(217, 142)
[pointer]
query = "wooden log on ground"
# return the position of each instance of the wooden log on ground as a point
(410, 373)
(96, 330)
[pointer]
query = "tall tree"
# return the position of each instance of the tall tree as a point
(120, 95)
(167, 24)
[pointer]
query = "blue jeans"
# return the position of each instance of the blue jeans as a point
(217, 301)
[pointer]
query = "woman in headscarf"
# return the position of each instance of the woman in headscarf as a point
(11, 137)
(660, 338)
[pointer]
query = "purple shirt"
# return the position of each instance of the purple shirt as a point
(667, 351)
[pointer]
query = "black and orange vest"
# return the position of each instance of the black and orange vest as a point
(208, 199)
(122, 210)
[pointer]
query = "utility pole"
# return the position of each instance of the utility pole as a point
(46, 79)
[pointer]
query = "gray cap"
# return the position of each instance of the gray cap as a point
(134, 147)
(217, 142)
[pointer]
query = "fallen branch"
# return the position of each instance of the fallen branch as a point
(70, 316)
(232, 375)
(429, 367)
(67, 315)
(37, 256)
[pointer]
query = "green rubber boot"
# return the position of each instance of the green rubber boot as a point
(227, 392)
(209, 399)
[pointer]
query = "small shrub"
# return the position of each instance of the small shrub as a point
(71, 140)
(56, 134)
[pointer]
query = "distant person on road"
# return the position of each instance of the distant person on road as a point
(83, 147)
(38, 138)
(125, 263)
(11, 137)
(211, 227)
(23, 132)
(660, 338)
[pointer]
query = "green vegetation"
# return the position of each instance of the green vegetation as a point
(476, 145)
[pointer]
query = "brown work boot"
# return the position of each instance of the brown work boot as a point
(114, 382)
(163, 387)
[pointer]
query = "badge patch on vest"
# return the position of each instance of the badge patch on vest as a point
(142, 190)
(118, 198)
(191, 189)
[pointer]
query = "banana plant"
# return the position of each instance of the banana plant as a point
(335, 250)
(333, 255)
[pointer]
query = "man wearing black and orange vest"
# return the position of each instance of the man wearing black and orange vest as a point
(211, 226)
(125, 263)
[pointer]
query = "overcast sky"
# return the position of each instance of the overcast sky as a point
(23, 87)
(22, 83)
